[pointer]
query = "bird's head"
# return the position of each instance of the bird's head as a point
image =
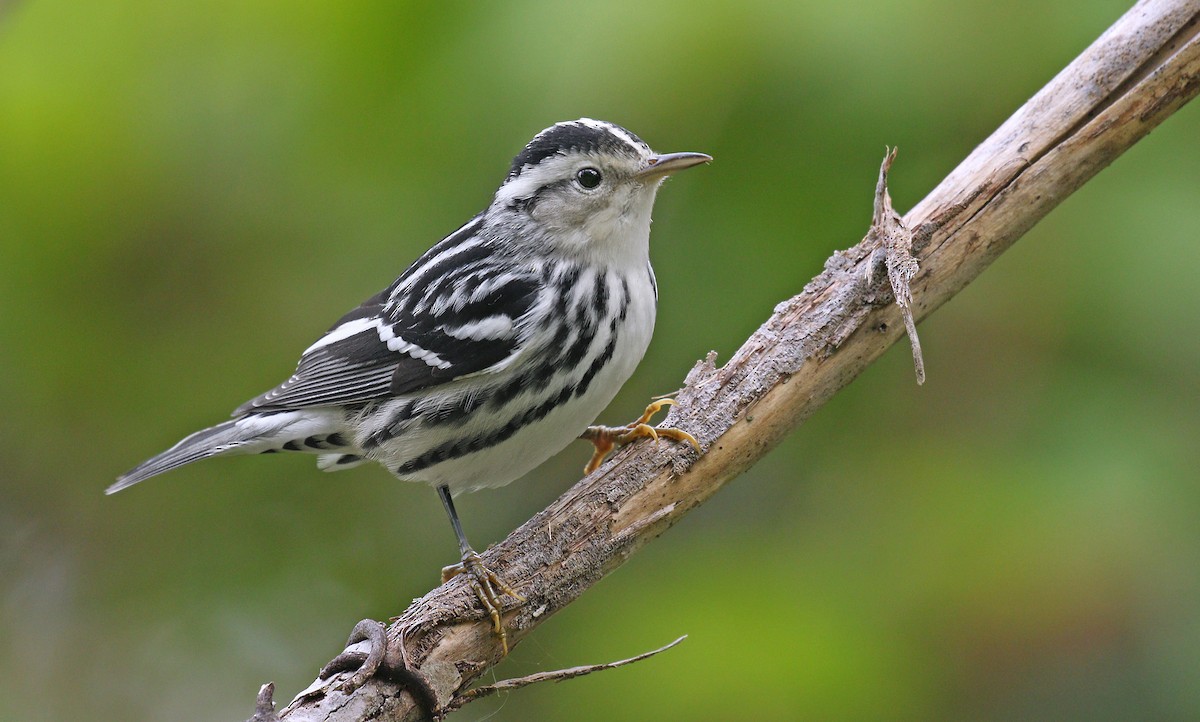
(585, 187)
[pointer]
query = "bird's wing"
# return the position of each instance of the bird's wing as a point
(429, 328)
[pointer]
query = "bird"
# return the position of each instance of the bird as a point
(494, 350)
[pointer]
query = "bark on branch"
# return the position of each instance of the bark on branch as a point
(1134, 76)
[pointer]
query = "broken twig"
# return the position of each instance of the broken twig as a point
(556, 676)
(896, 241)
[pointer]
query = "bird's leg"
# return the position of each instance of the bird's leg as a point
(488, 587)
(609, 438)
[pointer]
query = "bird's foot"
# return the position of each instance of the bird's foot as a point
(488, 588)
(610, 438)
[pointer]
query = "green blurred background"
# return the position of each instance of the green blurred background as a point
(190, 192)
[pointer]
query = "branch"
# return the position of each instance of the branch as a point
(506, 685)
(1135, 75)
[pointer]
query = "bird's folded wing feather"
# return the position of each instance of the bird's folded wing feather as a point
(427, 329)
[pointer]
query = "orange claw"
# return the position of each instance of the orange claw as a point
(609, 438)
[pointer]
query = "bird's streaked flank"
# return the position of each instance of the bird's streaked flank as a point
(494, 350)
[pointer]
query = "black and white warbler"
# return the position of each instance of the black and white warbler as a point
(494, 350)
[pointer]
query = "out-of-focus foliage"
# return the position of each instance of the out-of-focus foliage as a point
(190, 192)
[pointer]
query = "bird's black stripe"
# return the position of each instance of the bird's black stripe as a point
(564, 355)
(585, 319)
(601, 361)
(528, 203)
(458, 412)
(458, 282)
(455, 449)
(614, 328)
(567, 137)
(395, 425)
(328, 442)
(373, 305)
(554, 359)
(600, 298)
(434, 273)
(562, 352)
(449, 305)
(460, 236)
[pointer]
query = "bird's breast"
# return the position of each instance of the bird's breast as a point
(488, 430)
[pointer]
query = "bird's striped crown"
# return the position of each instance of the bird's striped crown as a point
(577, 136)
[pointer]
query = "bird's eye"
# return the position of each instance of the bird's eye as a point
(588, 177)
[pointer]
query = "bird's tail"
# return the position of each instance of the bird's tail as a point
(245, 435)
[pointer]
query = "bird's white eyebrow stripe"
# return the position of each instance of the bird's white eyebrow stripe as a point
(533, 178)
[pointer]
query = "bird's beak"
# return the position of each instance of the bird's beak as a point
(665, 164)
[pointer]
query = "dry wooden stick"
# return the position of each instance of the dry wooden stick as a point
(1135, 75)
(557, 676)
